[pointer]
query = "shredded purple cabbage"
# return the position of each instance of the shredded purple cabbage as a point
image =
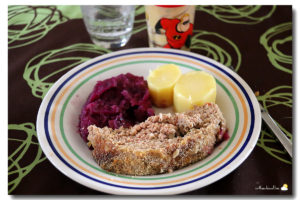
(123, 100)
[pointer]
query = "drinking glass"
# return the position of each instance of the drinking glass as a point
(109, 26)
(170, 26)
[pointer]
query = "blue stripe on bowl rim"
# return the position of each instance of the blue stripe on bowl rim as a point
(250, 133)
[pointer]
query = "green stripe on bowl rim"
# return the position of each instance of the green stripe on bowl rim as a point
(144, 178)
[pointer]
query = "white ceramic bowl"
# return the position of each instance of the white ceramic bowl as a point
(57, 123)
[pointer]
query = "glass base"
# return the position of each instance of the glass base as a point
(110, 43)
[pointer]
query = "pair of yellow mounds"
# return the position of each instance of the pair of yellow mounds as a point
(167, 86)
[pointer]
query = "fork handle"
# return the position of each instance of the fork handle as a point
(287, 144)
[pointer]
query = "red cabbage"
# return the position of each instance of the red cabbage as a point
(123, 100)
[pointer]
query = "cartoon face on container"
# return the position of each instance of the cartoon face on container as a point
(184, 24)
(178, 31)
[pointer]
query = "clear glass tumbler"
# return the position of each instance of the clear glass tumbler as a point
(109, 26)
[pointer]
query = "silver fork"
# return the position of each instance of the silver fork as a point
(284, 140)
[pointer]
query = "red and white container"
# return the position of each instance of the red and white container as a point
(170, 26)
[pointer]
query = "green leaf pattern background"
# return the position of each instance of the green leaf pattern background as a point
(28, 24)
